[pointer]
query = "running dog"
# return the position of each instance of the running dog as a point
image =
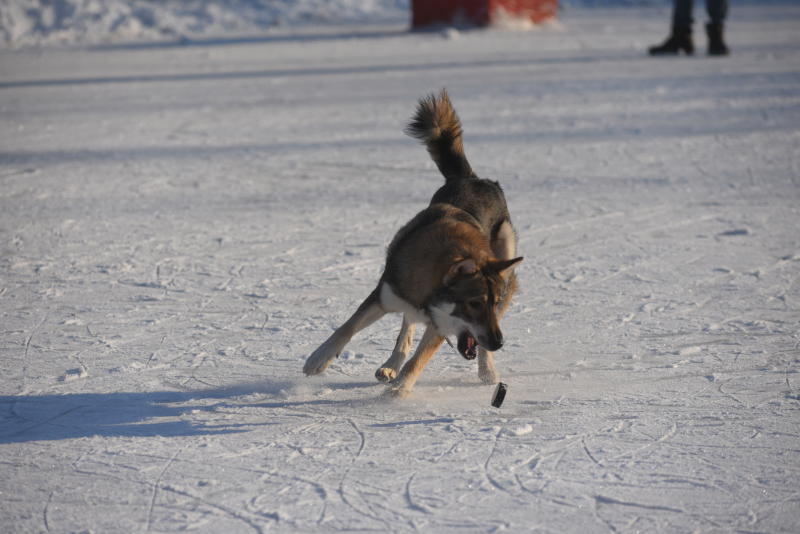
(451, 267)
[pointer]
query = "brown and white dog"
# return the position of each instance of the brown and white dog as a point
(451, 267)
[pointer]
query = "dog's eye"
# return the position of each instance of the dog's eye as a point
(475, 304)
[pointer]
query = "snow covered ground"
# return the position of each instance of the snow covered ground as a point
(181, 225)
(37, 22)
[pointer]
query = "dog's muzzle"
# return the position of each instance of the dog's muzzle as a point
(492, 343)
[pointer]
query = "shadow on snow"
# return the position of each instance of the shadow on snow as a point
(51, 417)
(57, 417)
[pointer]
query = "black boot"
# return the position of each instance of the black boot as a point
(681, 39)
(716, 46)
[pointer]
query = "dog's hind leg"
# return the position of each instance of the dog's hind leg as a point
(428, 345)
(367, 313)
(388, 371)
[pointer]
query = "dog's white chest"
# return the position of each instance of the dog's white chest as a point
(447, 323)
(392, 303)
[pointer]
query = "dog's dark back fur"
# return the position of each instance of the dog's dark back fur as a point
(427, 246)
(436, 124)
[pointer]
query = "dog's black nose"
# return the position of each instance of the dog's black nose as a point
(492, 343)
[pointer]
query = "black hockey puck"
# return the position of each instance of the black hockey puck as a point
(499, 395)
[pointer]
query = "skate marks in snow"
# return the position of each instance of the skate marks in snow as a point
(324, 455)
(320, 455)
(692, 270)
(322, 464)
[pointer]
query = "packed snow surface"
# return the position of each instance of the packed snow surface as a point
(182, 225)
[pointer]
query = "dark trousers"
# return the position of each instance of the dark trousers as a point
(682, 12)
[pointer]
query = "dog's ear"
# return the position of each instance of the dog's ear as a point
(504, 267)
(463, 267)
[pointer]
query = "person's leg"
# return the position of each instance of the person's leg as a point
(682, 14)
(681, 37)
(717, 11)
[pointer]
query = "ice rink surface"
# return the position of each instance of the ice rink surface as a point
(180, 226)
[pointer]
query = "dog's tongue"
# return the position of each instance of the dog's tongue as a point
(467, 346)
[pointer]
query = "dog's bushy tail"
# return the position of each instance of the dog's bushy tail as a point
(436, 124)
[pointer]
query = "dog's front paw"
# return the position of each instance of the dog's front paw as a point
(314, 366)
(385, 374)
(320, 359)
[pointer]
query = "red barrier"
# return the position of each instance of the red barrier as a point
(479, 12)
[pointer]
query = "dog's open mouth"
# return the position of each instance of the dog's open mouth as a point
(467, 345)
